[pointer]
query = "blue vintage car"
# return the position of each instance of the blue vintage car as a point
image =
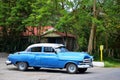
(46, 55)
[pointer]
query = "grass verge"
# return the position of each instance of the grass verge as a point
(110, 62)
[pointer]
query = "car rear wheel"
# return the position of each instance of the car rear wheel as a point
(22, 66)
(82, 70)
(71, 68)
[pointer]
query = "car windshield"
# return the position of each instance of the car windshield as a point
(61, 49)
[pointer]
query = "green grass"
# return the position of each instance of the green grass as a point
(109, 62)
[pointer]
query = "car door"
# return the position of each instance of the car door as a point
(34, 56)
(48, 58)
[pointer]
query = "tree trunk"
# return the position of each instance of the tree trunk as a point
(90, 45)
(92, 37)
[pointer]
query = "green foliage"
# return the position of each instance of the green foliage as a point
(41, 13)
(12, 13)
(69, 16)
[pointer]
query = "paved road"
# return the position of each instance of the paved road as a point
(11, 73)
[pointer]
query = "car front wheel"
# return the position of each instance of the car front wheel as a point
(71, 68)
(22, 66)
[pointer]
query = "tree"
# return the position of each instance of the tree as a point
(92, 25)
(12, 14)
(93, 30)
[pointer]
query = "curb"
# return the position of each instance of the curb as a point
(98, 64)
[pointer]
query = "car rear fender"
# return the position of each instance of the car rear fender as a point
(21, 61)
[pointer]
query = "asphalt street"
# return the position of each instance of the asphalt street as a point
(11, 73)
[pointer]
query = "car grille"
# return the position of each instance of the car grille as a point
(87, 61)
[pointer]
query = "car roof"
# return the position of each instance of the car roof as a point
(53, 45)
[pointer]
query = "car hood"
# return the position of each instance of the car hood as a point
(74, 56)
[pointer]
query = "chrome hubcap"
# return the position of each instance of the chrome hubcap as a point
(72, 68)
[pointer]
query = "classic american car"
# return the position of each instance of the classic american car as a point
(48, 55)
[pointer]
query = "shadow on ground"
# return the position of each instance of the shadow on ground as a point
(46, 70)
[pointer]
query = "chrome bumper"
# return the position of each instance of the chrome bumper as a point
(7, 62)
(85, 66)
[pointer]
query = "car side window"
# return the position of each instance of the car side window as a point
(36, 49)
(48, 49)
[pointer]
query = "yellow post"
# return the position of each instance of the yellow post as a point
(101, 52)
